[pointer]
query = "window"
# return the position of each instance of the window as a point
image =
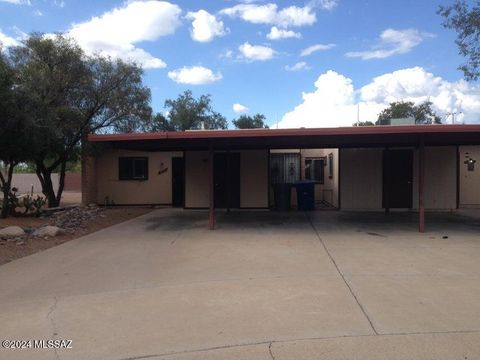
(284, 168)
(133, 168)
(314, 169)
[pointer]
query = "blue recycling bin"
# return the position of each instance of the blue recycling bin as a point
(305, 195)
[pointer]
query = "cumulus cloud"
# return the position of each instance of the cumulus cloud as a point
(256, 52)
(392, 42)
(7, 41)
(194, 75)
(239, 108)
(334, 101)
(302, 65)
(205, 26)
(277, 34)
(272, 15)
(314, 48)
(116, 32)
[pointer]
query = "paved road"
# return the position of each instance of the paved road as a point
(326, 285)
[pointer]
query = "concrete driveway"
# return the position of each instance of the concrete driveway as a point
(325, 285)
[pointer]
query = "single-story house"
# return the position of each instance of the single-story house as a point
(414, 167)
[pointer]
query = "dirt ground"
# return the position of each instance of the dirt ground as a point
(11, 250)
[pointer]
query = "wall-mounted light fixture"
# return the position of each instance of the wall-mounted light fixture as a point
(163, 169)
(470, 163)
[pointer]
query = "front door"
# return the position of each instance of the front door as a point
(226, 177)
(397, 179)
(178, 181)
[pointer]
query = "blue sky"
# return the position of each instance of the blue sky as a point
(371, 53)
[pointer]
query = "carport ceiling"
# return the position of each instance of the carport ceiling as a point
(368, 136)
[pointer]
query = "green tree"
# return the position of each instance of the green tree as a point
(160, 123)
(15, 131)
(422, 113)
(364, 123)
(75, 95)
(216, 121)
(250, 122)
(465, 20)
(188, 113)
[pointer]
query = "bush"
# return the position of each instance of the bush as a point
(11, 202)
(30, 204)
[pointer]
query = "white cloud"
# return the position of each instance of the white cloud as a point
(392, 42)
(239, 108)
(277, 34)
(334, 101)
(270, 14)
(7, 41)
(205, 26)
(302, 65)
(17, 2)
(257, 14)
(116, 32)
(317, 47)
(194, 75)
(296, 16)
(256, 52)
(37, 13)
(324, 4)
(227, 54)
(59, 3)
(20, 35)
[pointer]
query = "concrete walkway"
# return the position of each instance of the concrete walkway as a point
(324, 285)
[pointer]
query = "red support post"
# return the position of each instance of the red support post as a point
(211, 220)
(421, 187)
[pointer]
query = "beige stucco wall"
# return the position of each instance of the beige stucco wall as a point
(253, 179)
(361, 183)
(440, 178)
(196, 179)
(360, 169)
(361, 178)
(156, 190)
(469, 180)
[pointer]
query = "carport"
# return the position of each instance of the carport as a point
(387, 137)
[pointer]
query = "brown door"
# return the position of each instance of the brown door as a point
(227, 180)
(397, 179)
(178, 182)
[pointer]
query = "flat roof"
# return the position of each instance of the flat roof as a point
(361, 136)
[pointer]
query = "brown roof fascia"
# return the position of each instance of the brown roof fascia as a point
(252, 133)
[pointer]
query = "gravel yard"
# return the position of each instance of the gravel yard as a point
(75, 222)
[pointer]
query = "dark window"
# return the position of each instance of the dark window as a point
(314, 169)
(133, 168)
(284, 168)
